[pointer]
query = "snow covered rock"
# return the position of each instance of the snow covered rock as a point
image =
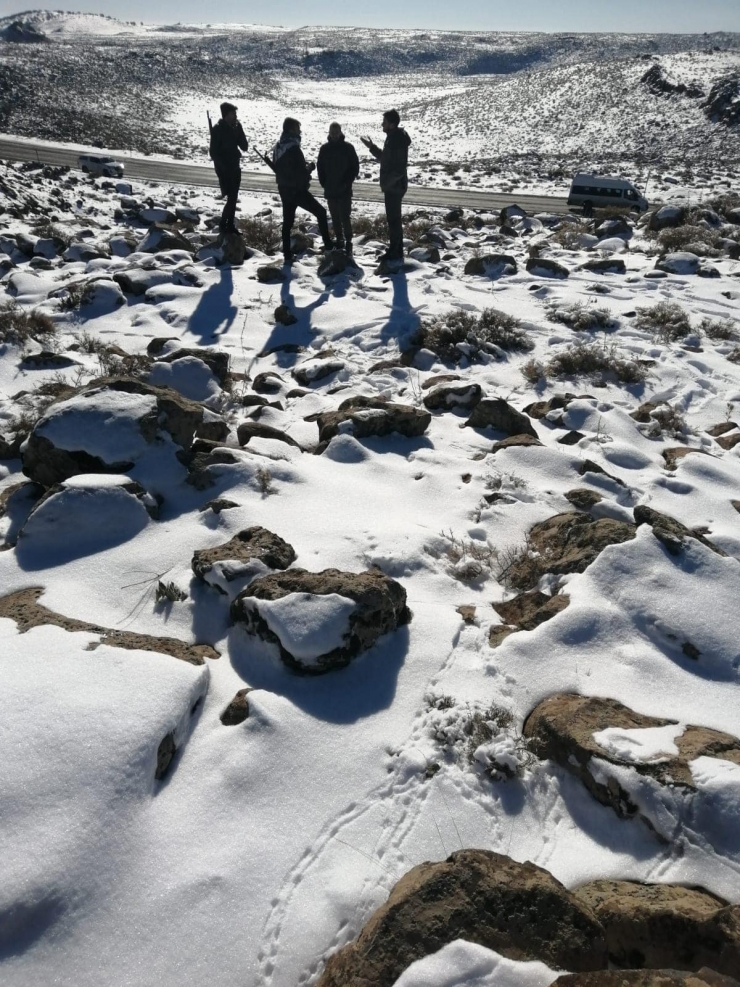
(238, 709)
(84, 252)
(517, 909)
(157, 214)
(425, 254)
(161, 237)
(525, 612)
(681, 262)
(269, 274)
(255, 430)
(317, 369)
(647, 978)
(618, 227)
(363, 417)
(167, 349)
(498, 414)
(253, 551)
(612, 749)
(665, 926)
(512, 212)
(188, 375)
(108, 427)
(492, 265)
(334, 262)
(671, 532)
(320, 621)
(667, 217)
(545, 267)
(450, 397)
(605, 265)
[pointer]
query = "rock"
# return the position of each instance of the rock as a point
(121, 246)
(492, 266)
(499, 415)
(269, 274)
(365, 417)
(267, 382)
(161, 238)
(165, 756)
(566, 543)
(219, 504)
(589, 466)
(646, 978)
(558, 402)
(619, 226)
(156, 214)
(237, 557)
(439, 379)
(644, 414)
(425, 254)
(136, 281)
(187, 215)
(518, 910)
(671, 532)
(315, 370)
(450, 397)
(454, 215)
(605, 265)
(708, 271)
(46, 247)
(676, 454)
(23, 608)
(334, 262)
(545, 267)
(509, 213)
(234, 251)
(583, 499)
(284, 316)
(524, 613)
(681, 262)
(665, 926)
(253, 430)
(562, 728)
(667, 217)
(106, 427)
(84, 252)
(716, 430)
(217, 361)
(513, 441)
(238, 709)
(729, 441)
(326, 618)
(571, 438)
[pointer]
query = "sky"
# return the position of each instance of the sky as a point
(632, 16)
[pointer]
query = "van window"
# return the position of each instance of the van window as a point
(630, 194)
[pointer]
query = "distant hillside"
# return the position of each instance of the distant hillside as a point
(50, 24)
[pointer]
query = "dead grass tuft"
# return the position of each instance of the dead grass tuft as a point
(261, 233)
(719, 330)
(594, 360)
(580, 317)
(459, 334)
(666, 321)
(18, 327)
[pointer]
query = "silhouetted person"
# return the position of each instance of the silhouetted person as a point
(394, 180)
(338, 167)
(293, 177)
(227, 137)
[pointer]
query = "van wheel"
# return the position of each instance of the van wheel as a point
(85, 169)
(588, 209)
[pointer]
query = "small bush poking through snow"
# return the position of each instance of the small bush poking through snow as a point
(374, 227)
(469, 561)
(461, 334)
(719, 330)
(169, 592)
(696, 239)
(568, 234)
(669, 421)
(17, 326)
(77, 295)
(264, 480)
(261, 233)
(591, 360)
(667, 321)
(582, 317)
(534, 371)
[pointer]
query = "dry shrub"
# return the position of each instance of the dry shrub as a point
(569, 232)
(581, 318)
(719, 330)
(534, 371)
(462, 334)
(669, 421)
(17, 326)
(594, 360)
(76, 295)
(374, 227)
(261, 233)
(696, 239)
(666, 321)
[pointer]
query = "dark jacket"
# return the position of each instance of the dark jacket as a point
(291, 170)
(394, 159)
(225, 144)
(338, 167)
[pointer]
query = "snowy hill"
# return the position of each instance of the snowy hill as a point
(62, 24)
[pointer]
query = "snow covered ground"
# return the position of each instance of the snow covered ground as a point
(265, 846)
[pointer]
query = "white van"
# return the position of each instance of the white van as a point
(95, 164)
(592, 191)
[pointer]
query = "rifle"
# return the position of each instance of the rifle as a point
(210, 125)
(263, 157)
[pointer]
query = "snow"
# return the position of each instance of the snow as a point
(465, 964)
(103, 423)
(647, 745)
(308, 625)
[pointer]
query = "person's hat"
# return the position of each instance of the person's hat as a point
(227, 108)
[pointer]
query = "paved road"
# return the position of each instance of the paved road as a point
(179, 173)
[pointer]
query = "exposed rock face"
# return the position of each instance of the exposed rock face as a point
(253, 544)
(515, 440)
(499, 415)
(238, 709)
(254, 430)
(582, 498)
(680, 262)
(605, 265)
(665, 926)
(23, 607)
(545, 267)
(365, 417)
(492, 265)
(519, 910)
(667, 217)
(646, 978)
(315, 370)
(449, 397)
(524, 613)
(380, 607)
(163, 237)
(567, 543)
(671, 532)
(129, 412)
(165, 756)
(562, 728)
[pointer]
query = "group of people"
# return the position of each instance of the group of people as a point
(337, 166)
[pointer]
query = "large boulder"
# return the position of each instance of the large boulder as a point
(250, 553)
(665, 925)
(587, 734)
(491, 265)
(108, 427)
(453, 397)
(364, 417)
(320, 621)
(517, 909)
(498, 414)
(680, 262)
(667, 218)
(545, 267)
(162, 237)
(564, 544)
(647, 978)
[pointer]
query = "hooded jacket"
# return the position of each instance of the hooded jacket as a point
(394, 159)
(338, 167)
(291, 171)
(225, 144)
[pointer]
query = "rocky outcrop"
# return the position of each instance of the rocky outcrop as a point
(646, 978)
(665, 926)
(326, 618)
(518, 910)
(525, 612)
(237, 557)
(254, 430)
(364, 417)
(562, 729)
(566, 543)
(498, 414)
(671, 532)
(23, 607)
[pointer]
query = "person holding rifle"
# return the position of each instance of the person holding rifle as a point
(227, 142)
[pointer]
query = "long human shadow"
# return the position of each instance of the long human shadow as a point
(363, 688)
(215, 312)
(403, 320)
(284, 340)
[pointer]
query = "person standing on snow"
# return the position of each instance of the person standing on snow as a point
(227, 142)
(293, 177)
(338, 167)
(394, 180)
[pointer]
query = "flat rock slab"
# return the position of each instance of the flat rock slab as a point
(23, 607)
(253, 430)
(376, 605)
(518, 910)
(665, 926)
(515, 441)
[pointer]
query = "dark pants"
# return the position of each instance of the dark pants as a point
(293, 199)
(340, 209)
(393, 201)
(230, 183)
